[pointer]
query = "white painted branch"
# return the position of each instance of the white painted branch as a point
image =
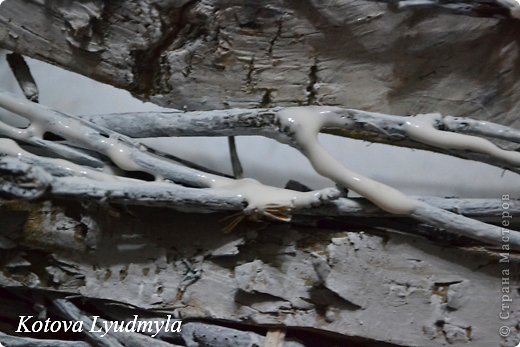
(126, 153)
(360, 207)
(369, 126)
(466, 226)
(233, 122)
(38, 182)
(175, 196)
(477, 127)
(30, 137)
(22, 181)
(130, 155)
(149, 194)
(434, 211)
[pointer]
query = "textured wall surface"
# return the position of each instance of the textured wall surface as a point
(391, 288)
(341, 279)
(215, 54)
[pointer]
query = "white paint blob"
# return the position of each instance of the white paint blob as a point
(11, 148)
(421, 129)
(305, 124)
(259, 197)
(302, 123)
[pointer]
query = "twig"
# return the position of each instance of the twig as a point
(23, 75)
(125, 153)
(131, 155)
(200, 200)
(31, 137)
(29, 87)
(433, 211)
(148, 194)
(55, 167)
(233, 122)
(368, 126)
(238, 171)
(483, 128)
(36, 182)
(467, 227)
(20, 180)
(298, 126)
(360, 207)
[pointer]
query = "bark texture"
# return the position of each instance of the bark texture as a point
(216, 54)
(341, 281)
(395, 289)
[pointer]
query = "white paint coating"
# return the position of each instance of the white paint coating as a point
(43, 120)
(420, 128)
(305, 123)
(121, 155)
(11, 148)
(426, 172)
(260, 198)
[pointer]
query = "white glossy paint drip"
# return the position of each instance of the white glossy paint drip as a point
(420, 128)
(259, 197)
(305, 124)
(11, 148)
(121, 156)
(43, 120)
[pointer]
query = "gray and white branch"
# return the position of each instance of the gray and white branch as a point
(113, 140)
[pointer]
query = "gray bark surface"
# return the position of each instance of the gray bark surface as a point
(397, 289)
(366, 288)
(217, 54)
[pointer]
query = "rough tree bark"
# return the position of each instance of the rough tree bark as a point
(342, 281)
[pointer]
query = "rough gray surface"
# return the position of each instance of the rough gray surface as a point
(215, 54)
(13, 341)
(391, 288)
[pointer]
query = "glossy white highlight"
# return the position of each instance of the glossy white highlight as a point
(11, 148)
(259, 197)
(421, 128)
(305, 123)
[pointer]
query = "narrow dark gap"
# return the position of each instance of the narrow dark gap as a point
(140, 175)
(50, 136)
(22, 301)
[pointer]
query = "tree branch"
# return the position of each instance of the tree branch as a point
(475, 8)
(357, 124)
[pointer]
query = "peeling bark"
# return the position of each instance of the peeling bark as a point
(342, 282)
(362, 288)
(279, 53)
